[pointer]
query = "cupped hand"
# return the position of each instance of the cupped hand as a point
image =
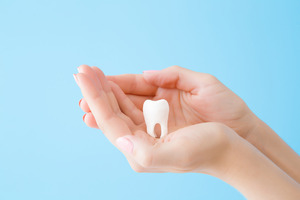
(193, 97)
(194, 148)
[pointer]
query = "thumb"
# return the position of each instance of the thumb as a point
(176, 77)
(147, 151)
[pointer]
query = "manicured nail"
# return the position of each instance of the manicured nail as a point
(83, 117)
(80, 101)
(76, 79)
(150, 71)
(125, 144)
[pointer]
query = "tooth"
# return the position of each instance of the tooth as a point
(156, 112)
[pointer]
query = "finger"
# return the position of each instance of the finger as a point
(139, 100)
(107, 88)
(89, 120)
(126, 105)
(107, 120)
(133, 84)
(121, 115)
(84, 106)
(100, 81)
(85, 69)
(101, 77)
(179, 78)
(148, 156)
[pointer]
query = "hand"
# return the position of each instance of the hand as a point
(210, 148)
(193, 97)
(196, 148)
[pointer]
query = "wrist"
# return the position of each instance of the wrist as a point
(255, 176)
(251, 127)
(257, 134)
(272, 146)
(249, 124)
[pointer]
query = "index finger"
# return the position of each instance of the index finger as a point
(107, 120)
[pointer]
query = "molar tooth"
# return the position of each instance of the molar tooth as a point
(156, 112)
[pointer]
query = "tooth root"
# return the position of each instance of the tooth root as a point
(164, 129)
(156, 112)
(150, 129)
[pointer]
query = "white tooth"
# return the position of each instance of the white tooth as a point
(156, 112)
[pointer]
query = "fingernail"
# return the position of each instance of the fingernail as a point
(83, 117)
(150, 71)
(76, 79)
(80, 101)
(125, 144)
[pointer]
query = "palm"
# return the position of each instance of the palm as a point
(181, 114)
(212, 102)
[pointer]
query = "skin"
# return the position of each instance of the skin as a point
(196, 98)
(199, 145)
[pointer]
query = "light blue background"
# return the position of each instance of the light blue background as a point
(47, 152)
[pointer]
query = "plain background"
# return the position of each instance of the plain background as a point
(47, 152)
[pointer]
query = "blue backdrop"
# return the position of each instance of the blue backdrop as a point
(47, 152)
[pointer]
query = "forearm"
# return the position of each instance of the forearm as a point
(256, 177)
(272, 146)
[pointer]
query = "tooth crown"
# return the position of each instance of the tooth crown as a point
(156, 112)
